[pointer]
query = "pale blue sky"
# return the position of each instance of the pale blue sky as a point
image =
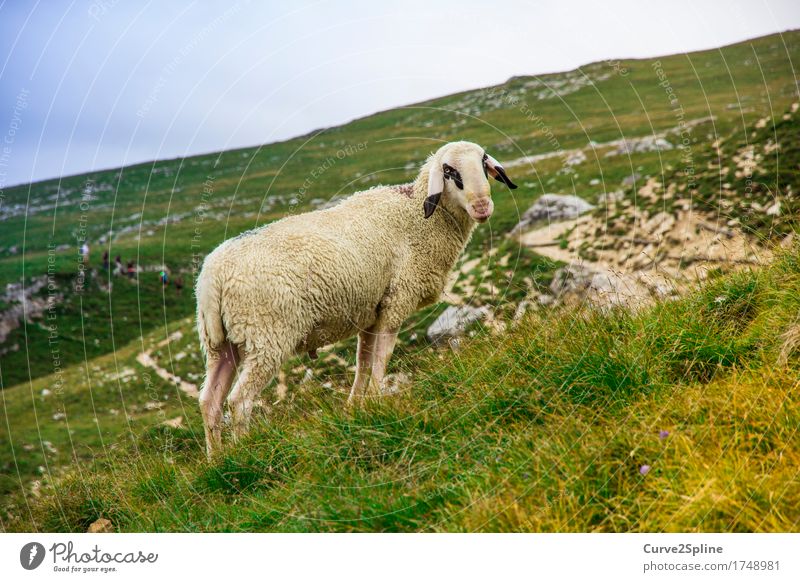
(115, 82)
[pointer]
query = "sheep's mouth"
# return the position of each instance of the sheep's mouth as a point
(482, 213)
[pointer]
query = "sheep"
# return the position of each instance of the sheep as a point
(310, 280)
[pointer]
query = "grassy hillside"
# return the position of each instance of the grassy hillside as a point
(173, 212)
(679, 416)
(683, 417)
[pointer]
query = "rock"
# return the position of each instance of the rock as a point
(632, 179)
(102, 525)
(575, 158)
(395, 383)
(647, 143)
(574, 278)
(553, 208)
(453, 322)
(176, 422)
(774, 210)
(521, 310)
(659, 224)
(333, 201)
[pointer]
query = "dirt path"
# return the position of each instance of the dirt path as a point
(147, 360)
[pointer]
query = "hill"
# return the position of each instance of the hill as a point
(545, 419)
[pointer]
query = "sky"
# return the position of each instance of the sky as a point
(88, 85)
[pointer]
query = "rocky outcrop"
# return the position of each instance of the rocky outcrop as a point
(553, 208)
(24, 302)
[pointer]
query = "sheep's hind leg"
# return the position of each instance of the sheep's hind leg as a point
(256, 372)
(384, 346)
(366, 345)
(220, 370)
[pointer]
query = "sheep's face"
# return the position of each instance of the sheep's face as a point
(459, 171)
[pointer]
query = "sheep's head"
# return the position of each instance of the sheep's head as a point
(459, 172)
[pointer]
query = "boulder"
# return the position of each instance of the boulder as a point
(102, 525)
(453, 322)
(553, 208)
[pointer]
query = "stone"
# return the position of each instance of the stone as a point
(102, 525)
(553, 208)
(574, 278)
(395, 383)
(453, 322)
(632, 179)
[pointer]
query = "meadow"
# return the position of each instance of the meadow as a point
(681, 416)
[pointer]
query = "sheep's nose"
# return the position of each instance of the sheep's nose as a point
(481, 209)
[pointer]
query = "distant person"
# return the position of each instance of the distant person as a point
(178, 285)
(164, 278)
(84, 250)
(118, 270)
(131, 269)
(105, 261)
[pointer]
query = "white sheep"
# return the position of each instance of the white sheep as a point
(306, 281)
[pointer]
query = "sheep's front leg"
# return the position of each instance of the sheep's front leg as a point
(384, 345)
(366, 346)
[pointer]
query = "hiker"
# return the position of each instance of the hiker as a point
(118, 270)
(131, 269)
(105, 261)
(164, 278)
(178, 285)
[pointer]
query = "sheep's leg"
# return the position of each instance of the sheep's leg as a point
(257, 370)
(220, 369)
(366, 345)
(384, 345)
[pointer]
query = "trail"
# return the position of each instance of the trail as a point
(147, 360)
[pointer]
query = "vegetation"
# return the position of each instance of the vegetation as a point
(673, 419)
(681, 416)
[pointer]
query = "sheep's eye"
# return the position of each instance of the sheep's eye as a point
(450, 173)
(485, 166)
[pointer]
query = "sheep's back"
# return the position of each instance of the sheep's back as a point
(320, 274)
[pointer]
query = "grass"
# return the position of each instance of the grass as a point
(176, 211)
(545, 428)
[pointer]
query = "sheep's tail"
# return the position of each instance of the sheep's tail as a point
(209, 313)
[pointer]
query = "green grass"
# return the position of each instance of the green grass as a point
(176, 211)
(545, 428)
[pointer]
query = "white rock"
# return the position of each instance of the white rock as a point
(553, 208)
(454, 321)
(774, 210)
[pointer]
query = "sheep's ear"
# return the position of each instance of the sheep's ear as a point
(431, 202)
(435, 189)
(497, 172)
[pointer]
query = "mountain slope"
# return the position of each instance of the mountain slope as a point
(543, 427)
(683, 417)
(173, 212)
